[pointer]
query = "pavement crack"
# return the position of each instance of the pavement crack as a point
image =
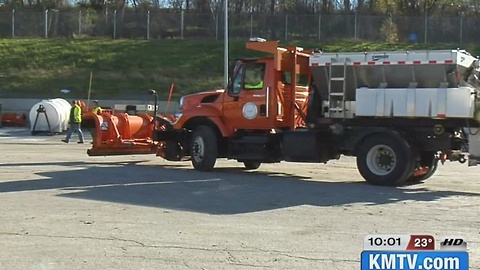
(75, 237)
(250, 265)
(317, 259)
(284, 253)
(231, 258)
(128, 240)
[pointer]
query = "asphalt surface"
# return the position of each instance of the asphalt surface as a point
(61, 209)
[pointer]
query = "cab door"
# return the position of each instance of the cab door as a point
(249, 95)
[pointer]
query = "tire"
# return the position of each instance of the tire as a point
(204, 148)
(384, 160)
(251, 165)
(429, 160)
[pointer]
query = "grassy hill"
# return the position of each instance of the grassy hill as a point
(125, 69)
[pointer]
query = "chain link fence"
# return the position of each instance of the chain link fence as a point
(185, 25)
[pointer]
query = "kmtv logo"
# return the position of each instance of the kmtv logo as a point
(453, 243)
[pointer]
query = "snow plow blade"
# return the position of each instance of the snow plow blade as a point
(120, 134)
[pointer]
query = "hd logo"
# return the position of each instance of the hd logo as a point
(453, 243)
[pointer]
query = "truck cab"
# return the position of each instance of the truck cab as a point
(265, 96)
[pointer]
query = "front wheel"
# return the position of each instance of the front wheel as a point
(251, 165)
(204, 148)
(385, 160)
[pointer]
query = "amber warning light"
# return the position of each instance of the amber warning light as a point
(257, 39)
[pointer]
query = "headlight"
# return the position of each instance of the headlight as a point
(177, 117)
(181, 103)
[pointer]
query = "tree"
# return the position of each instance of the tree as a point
(417, 7)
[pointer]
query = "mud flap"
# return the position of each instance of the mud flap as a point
(474, 147)
(473, 161)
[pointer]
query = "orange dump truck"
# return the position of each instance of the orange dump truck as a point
(399, 113)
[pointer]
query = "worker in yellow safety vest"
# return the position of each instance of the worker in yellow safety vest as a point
(97, 109)
(75, 122)
(254, 77)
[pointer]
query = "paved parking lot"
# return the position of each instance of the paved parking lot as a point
(61, 209)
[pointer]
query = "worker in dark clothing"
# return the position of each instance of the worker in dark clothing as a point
(75, 122)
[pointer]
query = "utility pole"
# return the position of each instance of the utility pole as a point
(225, 66)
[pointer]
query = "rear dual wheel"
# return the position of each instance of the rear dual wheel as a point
(385, 160)
(425, 169)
